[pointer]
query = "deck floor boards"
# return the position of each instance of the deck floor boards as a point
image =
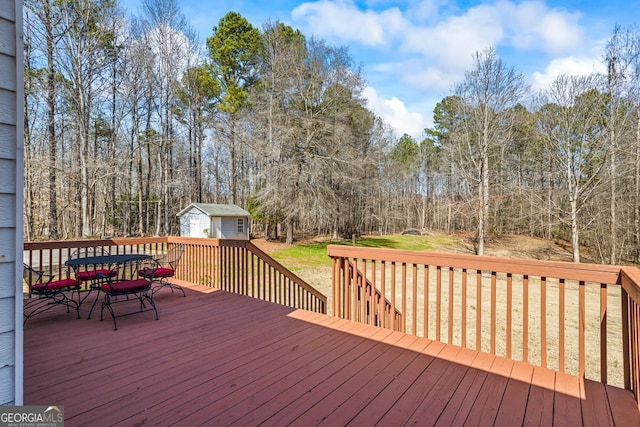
(216, 358)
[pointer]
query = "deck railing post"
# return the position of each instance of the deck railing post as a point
(626, 337)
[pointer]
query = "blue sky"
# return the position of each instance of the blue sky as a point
(413, 52)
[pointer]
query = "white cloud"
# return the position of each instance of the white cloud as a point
(531, 25)
(417, 50)
(570, 65)
(452, 42)
(394, 112)
(343, 19)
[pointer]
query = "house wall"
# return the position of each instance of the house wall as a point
(11, 199)
(193, 223)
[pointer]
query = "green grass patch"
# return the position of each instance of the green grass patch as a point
(315, 254)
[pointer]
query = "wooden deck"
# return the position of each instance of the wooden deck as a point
(216, 358)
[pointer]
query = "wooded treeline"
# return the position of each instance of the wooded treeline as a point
(129, 119)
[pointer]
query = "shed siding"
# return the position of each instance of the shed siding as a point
(229, 228)
(216, 230)
(213, 220)
(11, 177)
(195, 223)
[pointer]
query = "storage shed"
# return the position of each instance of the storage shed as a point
(214, 220)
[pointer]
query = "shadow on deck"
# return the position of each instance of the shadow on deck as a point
(217, 358)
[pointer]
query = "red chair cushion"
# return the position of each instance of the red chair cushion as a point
(159, 272)
(125, 286)
(56, 285)
(93, 274)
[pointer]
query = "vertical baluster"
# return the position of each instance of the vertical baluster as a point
(438, 300)
(372, 290)
(631, 354)
(243, 273)
(636, 345)
(627, 328)
(393, 296)
(509, 315)
(450, 314)
(50, 269)
(414, 327)
(61, 265)
(581, 328)
(347, 290)
(525, 318)
(354, 290)
(543, 322)
(383, 297)
(479, 310)
(339, 266)
(425, 326)
(603, 332)
(561, 311)
(493, 312)
(403, 323)
(365, 303)
(463, 308)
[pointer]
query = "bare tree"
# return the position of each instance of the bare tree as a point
(489, 89)
(574, 133)
(171, 39)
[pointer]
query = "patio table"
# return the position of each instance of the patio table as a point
(110, 261)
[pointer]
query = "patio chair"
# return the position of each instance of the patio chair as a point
(48, 292)
(121, 289)
(167, 265)
(94, 275)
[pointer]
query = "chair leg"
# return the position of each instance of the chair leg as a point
(94, 302)
(153, 304)
(141, 296)
(107, 303)
(44, 303)
(162, 283)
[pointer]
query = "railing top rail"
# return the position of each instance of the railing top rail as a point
(199, 241)
(285, 271)
(123, 241)
(58, 244)
(630, 281)
(572, 271)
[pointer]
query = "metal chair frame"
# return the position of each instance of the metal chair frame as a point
(123, 286)
(50, 294)
(169, 261)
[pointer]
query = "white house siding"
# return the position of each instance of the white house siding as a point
(11, 178)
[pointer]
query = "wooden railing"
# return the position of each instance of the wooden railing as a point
(232, 265)
(564, 316)
(362, 301)
(630, 281)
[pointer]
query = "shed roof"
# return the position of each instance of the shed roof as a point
(214, 209)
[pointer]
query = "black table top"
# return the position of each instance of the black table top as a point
(107, 259)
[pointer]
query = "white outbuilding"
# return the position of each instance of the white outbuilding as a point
(218, 221)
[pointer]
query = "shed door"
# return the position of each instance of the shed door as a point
(194, 226)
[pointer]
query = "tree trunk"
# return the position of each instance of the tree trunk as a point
(636, 204)
(289, 226)
(575, 241)
(51, 126)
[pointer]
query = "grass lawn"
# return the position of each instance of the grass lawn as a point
(314, 254)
